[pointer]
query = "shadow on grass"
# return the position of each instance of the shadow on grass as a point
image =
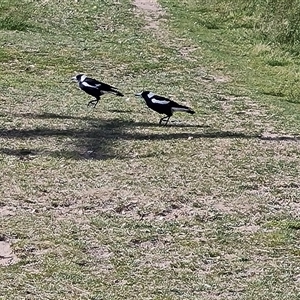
(116, 129)
(280, 138)
(22, 152)
(99, 140)
(53, 116)
(120, 111)
(93, 119)
(86, 118)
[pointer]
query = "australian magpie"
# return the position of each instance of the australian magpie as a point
(95, 88)
(163, 105)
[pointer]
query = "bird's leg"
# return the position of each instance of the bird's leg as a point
(91, 102)
(163, 119)
(167, 120)
(96, 101)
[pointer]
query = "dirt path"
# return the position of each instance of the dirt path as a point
(154, 17)
(152, 13)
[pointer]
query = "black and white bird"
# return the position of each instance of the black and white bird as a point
(163, 105)
(95, 88)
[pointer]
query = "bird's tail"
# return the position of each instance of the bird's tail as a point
(116, 92)
(190, 111)
(183, 108)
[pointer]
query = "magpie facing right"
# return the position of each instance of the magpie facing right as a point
(163, 105)
(95, 88)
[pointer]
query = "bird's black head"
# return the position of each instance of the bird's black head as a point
(78, 77)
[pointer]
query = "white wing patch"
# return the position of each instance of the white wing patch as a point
(179, 109)
(90, 86)
(162, 102)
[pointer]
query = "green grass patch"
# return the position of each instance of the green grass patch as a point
(104, 203)
(16, 15)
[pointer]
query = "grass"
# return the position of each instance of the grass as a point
(104, 204)
(15, 15)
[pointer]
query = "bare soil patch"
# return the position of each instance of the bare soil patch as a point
(7, 257)
(151, 11)
(7, 211)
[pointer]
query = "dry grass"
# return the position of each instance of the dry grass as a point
(104, 204)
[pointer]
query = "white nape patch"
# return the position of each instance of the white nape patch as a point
(82, 78)
(179, 109)
(162, 102)
(150, 95)
(88, 85)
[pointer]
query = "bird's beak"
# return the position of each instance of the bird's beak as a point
(74, 78)
(138, 94)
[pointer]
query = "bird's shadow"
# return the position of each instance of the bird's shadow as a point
(120, 111)
(129, 123)
(99, 138)
(53, 116)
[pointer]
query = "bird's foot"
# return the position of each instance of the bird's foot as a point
(92, 102)
(165, 119)
(161, 122)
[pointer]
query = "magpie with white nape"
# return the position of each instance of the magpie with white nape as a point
(95, 88)
(163, 105)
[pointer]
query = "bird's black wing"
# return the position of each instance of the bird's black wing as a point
(102, 87)
(174, 105)
(92, 82)
(109, 89)
(171, 102)
(178, 107)
(160, 100)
